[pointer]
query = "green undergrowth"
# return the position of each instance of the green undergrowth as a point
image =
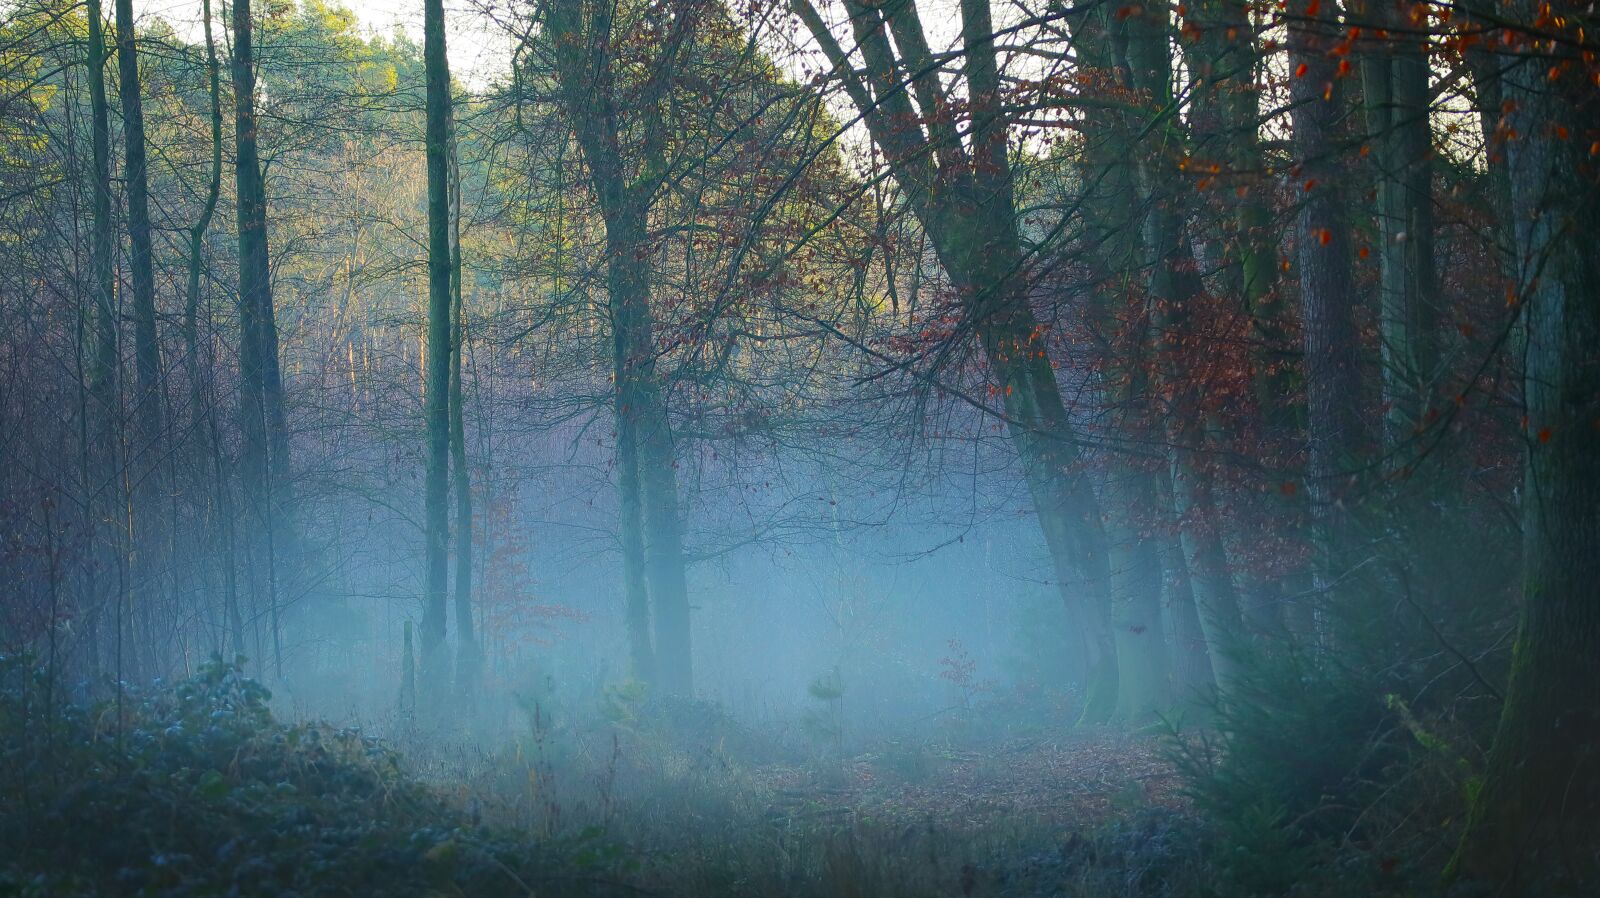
(1318, 783)
(196, 790)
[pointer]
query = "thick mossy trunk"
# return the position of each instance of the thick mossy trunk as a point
(1537, 815)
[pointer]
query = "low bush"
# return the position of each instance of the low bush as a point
(197, 790)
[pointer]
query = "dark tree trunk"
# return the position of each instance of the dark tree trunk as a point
(264, 454)
(435, 669)
(626, 186)
(1394, 83)
(1223, 58)
(1538, 813)
(145, 491)
(642, 422)
(147, 408)
(1335, 433)
(105, 358)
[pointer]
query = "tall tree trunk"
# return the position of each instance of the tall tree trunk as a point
(582, 36)
(197, 232)
(468, 655)
(1394, 85)
(1223, 59)
(435, 670)
(964, 198)
(1333, 382)
(1538, 812)
(147, 409)
(105, 359)
(264, 454)
(1046, 443)
(147, 405)
(664, 563)
(630, 526)
(202, 415)
(642, 422)
(1175, 289)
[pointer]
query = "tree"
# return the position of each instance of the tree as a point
(1538, 811)
(963, 194)
(147, 404)
(625, 150)
(468, 655)
(265, 453)
(105, 363)
(202, 408)
(1335, 431)
(1395, 98)
(443, 285)
(1222, 51)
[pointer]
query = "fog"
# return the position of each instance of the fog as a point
(820, 448)
(871, 573)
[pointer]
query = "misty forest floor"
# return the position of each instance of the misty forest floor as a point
(1072, 779)
(197, 790)
(1077, 812)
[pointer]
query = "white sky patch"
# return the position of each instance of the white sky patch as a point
(480, 51)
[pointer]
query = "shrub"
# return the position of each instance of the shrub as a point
(1291, 765)
(196, 790)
